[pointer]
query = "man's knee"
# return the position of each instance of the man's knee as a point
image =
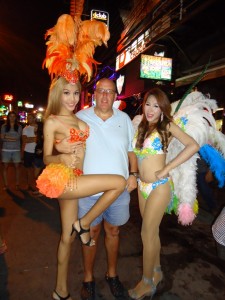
(95, 231)
(111, 230)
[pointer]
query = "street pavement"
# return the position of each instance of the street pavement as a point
(31, 228)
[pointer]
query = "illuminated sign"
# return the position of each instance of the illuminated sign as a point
(155, 67)
(8, 97)
(100, 15)
(120, 83)
(19, 103)
(141, 43)
(28, 105)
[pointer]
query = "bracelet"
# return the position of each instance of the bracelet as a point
(136, 174)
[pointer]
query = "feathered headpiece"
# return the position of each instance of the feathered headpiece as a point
(70, 47)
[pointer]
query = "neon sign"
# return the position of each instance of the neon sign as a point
(141, 43)
(8, 97)
(100, 15)
(155, 67)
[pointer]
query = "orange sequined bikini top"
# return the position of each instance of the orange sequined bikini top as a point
(76, 135)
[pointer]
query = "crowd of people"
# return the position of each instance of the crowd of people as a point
(19, 145)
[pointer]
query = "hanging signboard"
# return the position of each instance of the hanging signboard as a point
(100, 15)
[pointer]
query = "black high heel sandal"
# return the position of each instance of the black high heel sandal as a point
(59, 297)
(90, 242)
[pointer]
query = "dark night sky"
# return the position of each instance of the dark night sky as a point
(23, 25)
(22, 46)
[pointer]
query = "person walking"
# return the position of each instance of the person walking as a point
(205, 187)
(11, 133)
(109, 150)
(29, 139)
(155, 187)
(38, 159)
(218, 231)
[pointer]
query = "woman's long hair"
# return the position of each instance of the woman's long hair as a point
(8, 125)
(144, 129)
(55, 94)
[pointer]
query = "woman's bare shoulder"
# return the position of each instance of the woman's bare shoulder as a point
(50, 121)
(81, 124)
(171, 126)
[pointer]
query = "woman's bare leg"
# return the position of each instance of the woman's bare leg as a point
(153, 210)
(5, 171)
(68, 212)
(111, 185)
(157, 274)
(17, 169)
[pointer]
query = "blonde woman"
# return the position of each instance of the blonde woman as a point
(63, 178)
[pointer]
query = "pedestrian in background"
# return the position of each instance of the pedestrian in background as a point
(204, 181)
(29, 141)
(38, 159)
(218, 231)
(11, 133)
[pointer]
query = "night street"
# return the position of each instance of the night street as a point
(31, 228)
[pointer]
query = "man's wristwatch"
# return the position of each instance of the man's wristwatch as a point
(136, 174)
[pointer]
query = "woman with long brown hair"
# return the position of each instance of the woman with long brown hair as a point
(151, 141)
(11, 133)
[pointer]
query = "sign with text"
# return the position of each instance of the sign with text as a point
(100, 15)
(155, 67)
(143, 41)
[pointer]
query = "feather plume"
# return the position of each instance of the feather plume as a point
(217, 139)
(91, 34)
(71, 45)
(193, 98)
(216, 163)
(196, 109)
(203, 74)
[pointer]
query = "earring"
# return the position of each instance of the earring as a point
(161, 118)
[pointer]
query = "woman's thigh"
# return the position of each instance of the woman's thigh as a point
(156, 204)
(87, 185)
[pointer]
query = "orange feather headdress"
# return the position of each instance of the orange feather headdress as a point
(70, 47)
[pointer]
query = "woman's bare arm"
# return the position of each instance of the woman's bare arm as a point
(49, 141)
(191, 147)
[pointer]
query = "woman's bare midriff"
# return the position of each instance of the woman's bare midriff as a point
(149, 165)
